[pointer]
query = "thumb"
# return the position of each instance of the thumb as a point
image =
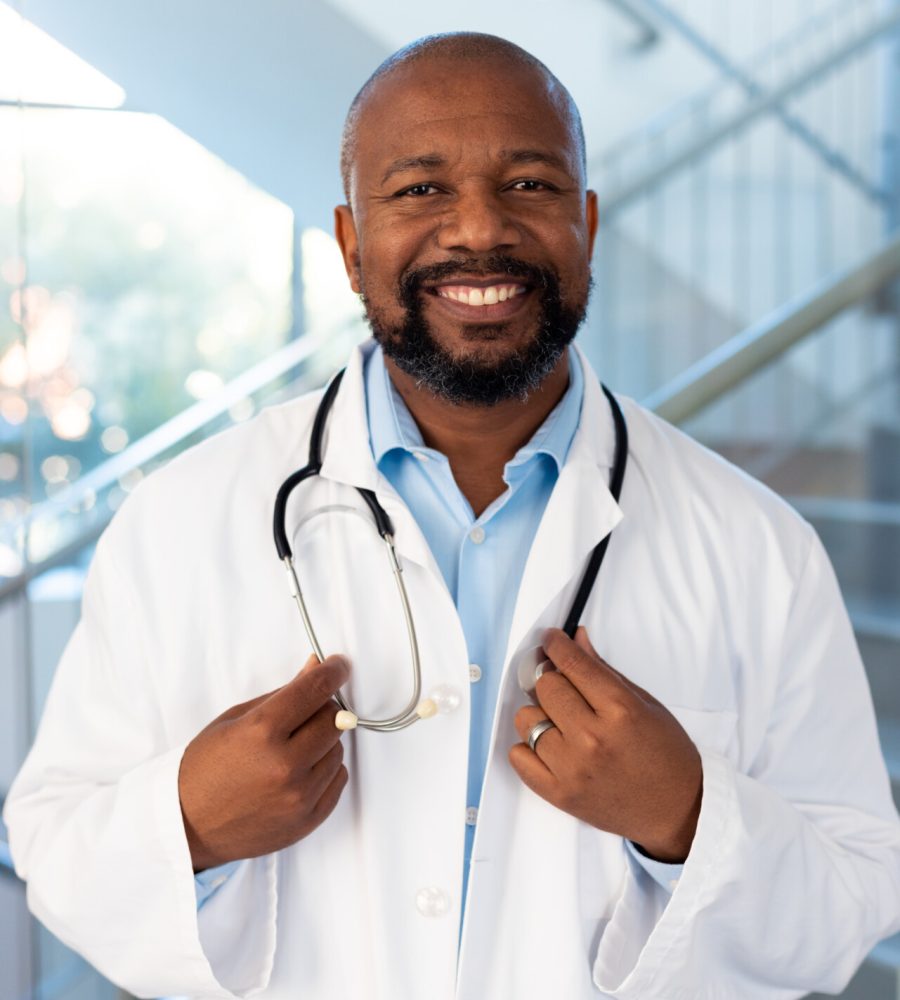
(245, 706)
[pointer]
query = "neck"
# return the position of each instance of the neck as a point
(479, 440)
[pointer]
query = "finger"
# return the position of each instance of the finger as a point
(321, 776)
(549, 743)
(591, 675)
(330, 797)
(310, 742)
(581, 637)
(290, 706)
(563, 702)
(526, 719)
(583, 640)
(532, 770)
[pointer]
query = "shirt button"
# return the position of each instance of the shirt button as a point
(471, 816)
(218, 881)
(474, 672)
(477, 534)
(432, 902)
(673, 884)
(446, 697)
(421, 456)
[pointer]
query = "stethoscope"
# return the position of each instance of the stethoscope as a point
(528, 672)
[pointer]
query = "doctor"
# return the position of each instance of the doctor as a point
(694, 805)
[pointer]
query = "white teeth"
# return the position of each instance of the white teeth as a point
(480, 296)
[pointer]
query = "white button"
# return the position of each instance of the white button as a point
(432, 902)
(471, 816)
(219, 880)
(477, 534)
(474, 672)
(673, 884)
(421, 456)
(446, 697)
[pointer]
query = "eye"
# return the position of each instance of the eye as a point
(529, 184)
(416, 191)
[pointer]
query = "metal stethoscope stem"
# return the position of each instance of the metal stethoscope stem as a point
(415, 709)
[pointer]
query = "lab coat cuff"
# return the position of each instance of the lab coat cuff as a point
(664, 873)
(197, 974)
(210, 880)
(648, 921)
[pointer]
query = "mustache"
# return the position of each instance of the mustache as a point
(411, 281)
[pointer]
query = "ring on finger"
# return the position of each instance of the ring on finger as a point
(537, 731)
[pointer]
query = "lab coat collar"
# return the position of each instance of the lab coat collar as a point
(581, 510)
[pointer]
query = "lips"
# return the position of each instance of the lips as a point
(483, 301)
(475, 299)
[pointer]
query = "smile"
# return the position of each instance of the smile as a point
(481, 300)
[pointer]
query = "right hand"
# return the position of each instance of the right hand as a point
(267, 772)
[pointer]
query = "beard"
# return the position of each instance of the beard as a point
(478, 380)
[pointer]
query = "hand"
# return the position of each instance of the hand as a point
(267, 772)
(617, 759)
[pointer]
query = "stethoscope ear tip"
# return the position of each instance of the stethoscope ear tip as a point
(345, 720)
(426, 708)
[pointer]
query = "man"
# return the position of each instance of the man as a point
(706, 813)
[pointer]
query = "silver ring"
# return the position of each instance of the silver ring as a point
(537, 731)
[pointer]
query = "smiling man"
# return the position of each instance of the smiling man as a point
(684, 799)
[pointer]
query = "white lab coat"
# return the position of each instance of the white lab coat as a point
(715, 596)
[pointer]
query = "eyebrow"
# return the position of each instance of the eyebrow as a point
(433, 161)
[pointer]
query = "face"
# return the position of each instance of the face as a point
(470, 232)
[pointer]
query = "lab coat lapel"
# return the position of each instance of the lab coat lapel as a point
(348, 460)
(581, 511)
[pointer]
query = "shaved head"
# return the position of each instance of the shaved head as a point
(466, 48)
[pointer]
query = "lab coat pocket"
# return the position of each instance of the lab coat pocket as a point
(709, 729)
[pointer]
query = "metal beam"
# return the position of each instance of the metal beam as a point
(619, 198)
(833, 158)
(750, 351)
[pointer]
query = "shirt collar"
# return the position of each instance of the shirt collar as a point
(391, 425)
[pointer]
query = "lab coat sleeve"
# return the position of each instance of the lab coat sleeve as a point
(794, 872)
(96, 830)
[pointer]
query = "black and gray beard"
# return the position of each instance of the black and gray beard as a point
(472, 380)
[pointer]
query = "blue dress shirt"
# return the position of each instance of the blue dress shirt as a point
(477, 556)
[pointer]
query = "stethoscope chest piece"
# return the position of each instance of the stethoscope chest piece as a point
(532, 665)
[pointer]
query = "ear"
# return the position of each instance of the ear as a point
(591, 213)
(345, 234)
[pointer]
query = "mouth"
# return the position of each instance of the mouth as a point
(484, 300)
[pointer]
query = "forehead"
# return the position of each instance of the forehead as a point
(453, 106)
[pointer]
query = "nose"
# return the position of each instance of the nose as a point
(477, 222)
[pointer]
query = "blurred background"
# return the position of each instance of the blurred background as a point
(167, 177)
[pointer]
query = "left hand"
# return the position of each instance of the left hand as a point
(618, 759)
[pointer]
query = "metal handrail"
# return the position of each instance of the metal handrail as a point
(617, 199)
(751, 350)
(153, 446)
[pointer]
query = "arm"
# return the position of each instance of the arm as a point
(792, 872)
(108, 820)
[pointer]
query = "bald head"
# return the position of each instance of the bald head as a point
(467, 50)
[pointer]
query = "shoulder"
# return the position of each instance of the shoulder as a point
(235, 471)
(692, 489)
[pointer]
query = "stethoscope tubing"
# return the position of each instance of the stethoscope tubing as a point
(416, 709)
